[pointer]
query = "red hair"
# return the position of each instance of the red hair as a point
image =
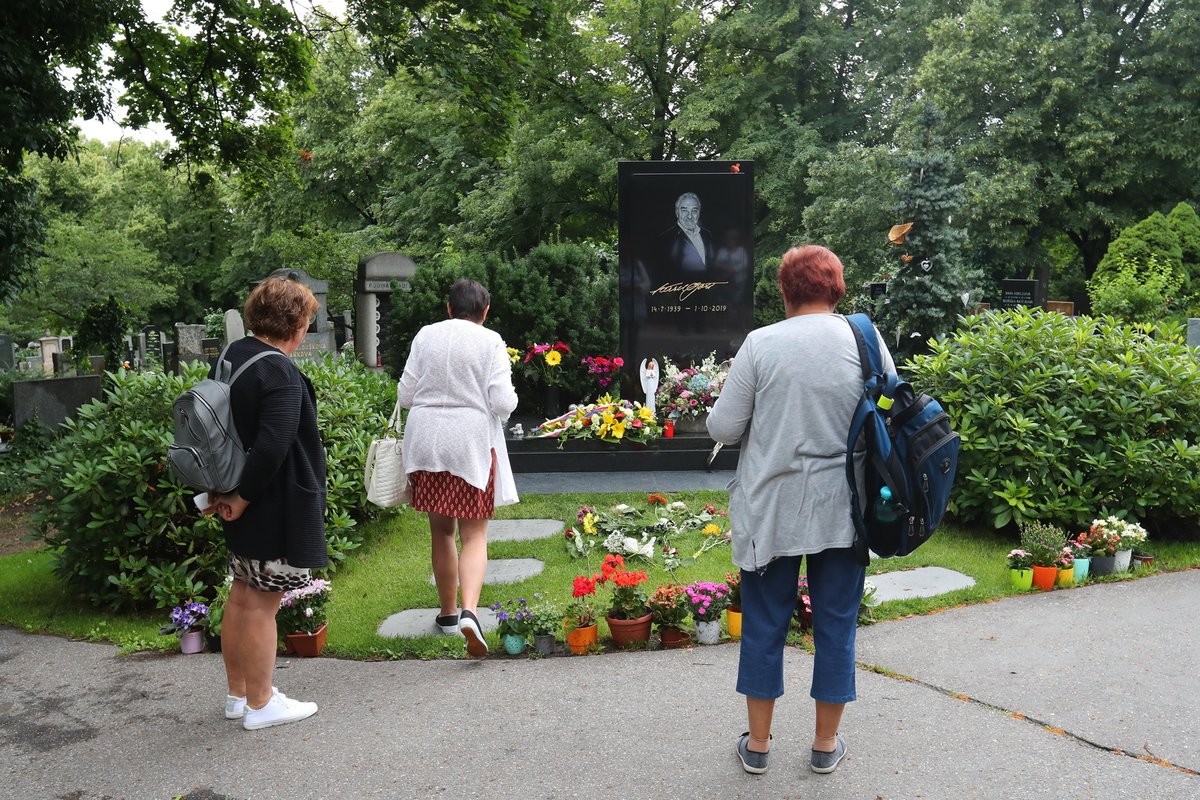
(811, 273)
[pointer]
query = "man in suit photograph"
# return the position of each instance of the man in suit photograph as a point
(688, 251)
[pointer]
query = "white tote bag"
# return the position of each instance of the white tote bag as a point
(384, 475)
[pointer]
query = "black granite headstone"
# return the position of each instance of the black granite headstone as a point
(878, 290)
(1017, 292)
(687, 260)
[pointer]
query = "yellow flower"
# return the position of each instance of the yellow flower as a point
(553, 358)
(607, 416)
(711, 530)
(589, 523)
(645, 414)
(618, 428)
(513, 355)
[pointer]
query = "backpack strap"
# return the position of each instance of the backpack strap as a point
(223, 366)
(881, 386)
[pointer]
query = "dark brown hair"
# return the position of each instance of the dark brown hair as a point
(468, 300)
(278, 307)
(811, 272)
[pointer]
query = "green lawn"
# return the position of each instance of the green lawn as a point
(391, 573)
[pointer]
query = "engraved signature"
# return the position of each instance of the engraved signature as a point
(686, 290)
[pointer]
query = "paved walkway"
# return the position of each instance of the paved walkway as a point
(1086, 693)
(1083, 693)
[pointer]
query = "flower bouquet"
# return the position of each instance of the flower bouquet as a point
(1043, 542)
(803, 604)
(604, 369)
(608, 419)
(629, 532)
(734, 581)
(579, 613)
(688, 393)
(304, 610)
(1099, 541)
(669, 606)
(545, 361)
(1019, 559)
(706, 600)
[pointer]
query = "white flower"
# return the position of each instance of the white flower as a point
(622, 508)
(679, 505)
(308, 612)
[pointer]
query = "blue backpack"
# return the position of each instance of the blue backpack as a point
(910, 450)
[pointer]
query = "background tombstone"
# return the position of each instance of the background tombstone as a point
(878, 290)
(170, 357)
(235, 329)
(1017, 292)
(684, 294)
(1193, 332)
(212, 349)
(51, 346)
(189, 342)
(373, 299)
(8, 353)
(152, 346)
(319, 338)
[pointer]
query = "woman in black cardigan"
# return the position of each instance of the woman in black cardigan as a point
(275, 520)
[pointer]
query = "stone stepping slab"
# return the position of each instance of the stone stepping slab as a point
(920, 582)
(520, 530)
(509, 570)
(422, 622)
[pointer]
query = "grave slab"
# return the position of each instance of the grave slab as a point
(921, 582)
(421, 622)
(520, 530)
(509, 570)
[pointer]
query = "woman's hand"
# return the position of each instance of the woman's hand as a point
(227, 505)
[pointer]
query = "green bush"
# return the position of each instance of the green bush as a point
(1153, 237)
(1135, 291)
(1068, 419)
(126, 534)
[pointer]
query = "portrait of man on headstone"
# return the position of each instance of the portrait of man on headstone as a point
(687, 248)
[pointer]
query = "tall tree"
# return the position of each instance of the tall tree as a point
(1075, 116)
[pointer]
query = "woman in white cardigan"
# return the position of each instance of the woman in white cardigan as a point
(458, 384)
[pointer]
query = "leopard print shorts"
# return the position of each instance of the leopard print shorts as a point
(268, 576)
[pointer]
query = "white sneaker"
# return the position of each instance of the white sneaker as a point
(279, 710)
(235, 707)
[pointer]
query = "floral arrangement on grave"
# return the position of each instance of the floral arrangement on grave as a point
(690, 392)
(1019, 559)
(603, 369)
(1043, 542)
(191, 616)
(669, 606)
(631, 533)
(579, 613)
(628, 601)
(545, 361)
(1099, 540)
(304, 610)
(609, 419)
(706, 600)
(1129, 535)
(514, 617)
(734, 581)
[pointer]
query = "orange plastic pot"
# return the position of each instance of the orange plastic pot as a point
(1044, 577)
(581, 639)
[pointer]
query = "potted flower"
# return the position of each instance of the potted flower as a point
(514, 620)
(628, 615)
(1044, 543)
(188, 622)
(669, 610)
(1143, 559)
(1104, 539)
(1066, 565)
(303, 617)
(707, 600)
(604, 369)
(579, 621)
(1083, 559)
(1020, 568)
(545, 363)
(733, 614)
(1133, 536)
(545, 618)
(803, 604)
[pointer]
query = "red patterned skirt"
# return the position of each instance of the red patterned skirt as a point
(451, 496)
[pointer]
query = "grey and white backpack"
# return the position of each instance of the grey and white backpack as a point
(207, 453)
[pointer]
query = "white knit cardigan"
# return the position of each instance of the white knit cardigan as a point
(458, 384)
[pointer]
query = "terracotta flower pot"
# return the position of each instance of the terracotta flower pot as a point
(673, 638)
(308, 645)
(629, 631)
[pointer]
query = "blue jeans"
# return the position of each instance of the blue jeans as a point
(835, 585)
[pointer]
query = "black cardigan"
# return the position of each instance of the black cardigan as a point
(275, 411)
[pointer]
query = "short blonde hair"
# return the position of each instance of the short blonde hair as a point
(279, 306)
